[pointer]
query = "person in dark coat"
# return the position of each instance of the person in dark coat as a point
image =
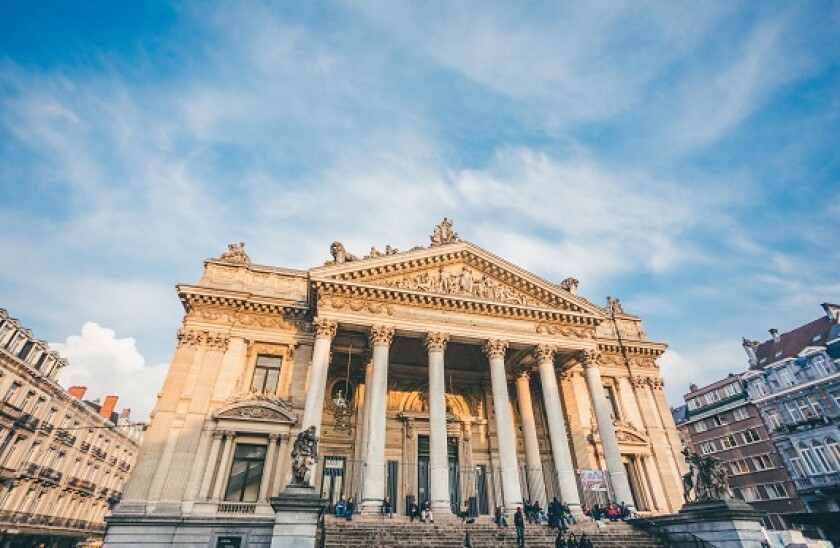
(351, 507)
(413, 511)
(519, 523)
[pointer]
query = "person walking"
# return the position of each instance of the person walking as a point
(519, 523)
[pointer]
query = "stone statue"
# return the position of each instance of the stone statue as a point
(614, 306)
(444, 234)
(706, 478)
(340, 254)
(304, 456)
(236, 254)
(570, 285)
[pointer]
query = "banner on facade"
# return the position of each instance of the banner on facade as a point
(593, 480)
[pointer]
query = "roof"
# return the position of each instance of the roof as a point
(679, 413)
(793, 342)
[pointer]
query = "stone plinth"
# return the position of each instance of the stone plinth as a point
(728, 523)
(297, 510)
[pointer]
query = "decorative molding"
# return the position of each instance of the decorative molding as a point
(495, 348)
(436, 341)
(544, 353)
(568, 331)
(324, 328)
(195, 338)
(381, 335)
(355, 305)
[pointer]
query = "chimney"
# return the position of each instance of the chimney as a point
(108, 407)
(775, 334)
(77, 392)
(749, 348)
(693, 387)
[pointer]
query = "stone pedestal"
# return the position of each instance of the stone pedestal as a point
(297, 510)
(729, 523)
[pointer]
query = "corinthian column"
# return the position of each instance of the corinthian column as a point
(374, 487)
(557, 428)
(533, 464)
(438, 457)
(314, 407)
(609, 441)
(511, 489)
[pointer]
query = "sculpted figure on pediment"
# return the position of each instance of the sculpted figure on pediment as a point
(236, 254)
(444, 234)
(340, 254)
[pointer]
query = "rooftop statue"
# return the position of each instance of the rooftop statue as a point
(444, 234)
(706, 478)
(236, 254)
(340, 254)
(304, 456)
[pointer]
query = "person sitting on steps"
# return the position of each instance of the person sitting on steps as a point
(501, 520)
(427, 512)
(465, 512)
(386, 508)
(413, 511)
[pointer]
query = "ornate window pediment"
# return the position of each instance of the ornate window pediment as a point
(275, 411)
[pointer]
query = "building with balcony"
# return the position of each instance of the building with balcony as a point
(794, 382)
(720, 420)
(63, 460)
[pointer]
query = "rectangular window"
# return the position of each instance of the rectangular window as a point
(795, 413)
(749, 493)
(10, 393)
(751, 435)
(816, 406)
(719, 420)
(712, 397)
(759, 388)
(819, 364)
(700, 426)
(776, 490)
(266, 374)
(795, 462)
(785, 377)
(741, 414)
(731, 389)
(728, 442)
(762, 462)
(708, 447)
(245, 473)
(693, 404)
(739, 467)
(773, 419)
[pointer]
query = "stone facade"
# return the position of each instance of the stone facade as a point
(63, 461)
(442, 373)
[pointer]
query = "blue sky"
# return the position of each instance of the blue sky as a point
(681, 156)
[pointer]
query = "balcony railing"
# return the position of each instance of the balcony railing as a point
(804, 424)
(27, 421)
(22, 518)
(66, 437)
(98, 453)
(84, 447)
(821, 480)
(49, 474)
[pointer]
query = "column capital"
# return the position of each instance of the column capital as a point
(522, 373)
(218, 434)
(436, 341)
(495, 348)
(273, 437)
(588, 358)
(544, 353)
(381, 335)
(324, 328)
(230, 434)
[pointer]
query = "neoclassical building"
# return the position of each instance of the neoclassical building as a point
(443, 373)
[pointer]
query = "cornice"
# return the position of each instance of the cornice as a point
(191, 295)
(632, 348)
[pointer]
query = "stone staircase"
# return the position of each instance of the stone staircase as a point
(379, 532)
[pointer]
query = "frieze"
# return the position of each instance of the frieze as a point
(254, 412)
(355, 305)
(272, 321)
(567, 331)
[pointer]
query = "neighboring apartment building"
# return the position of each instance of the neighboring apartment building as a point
(719, 420)
(794, 380)
(63, 461)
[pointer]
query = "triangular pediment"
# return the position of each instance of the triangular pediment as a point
(459, 270)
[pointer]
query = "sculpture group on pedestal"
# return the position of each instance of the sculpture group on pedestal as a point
(706, 478)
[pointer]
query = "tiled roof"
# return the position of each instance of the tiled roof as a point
(793, 342)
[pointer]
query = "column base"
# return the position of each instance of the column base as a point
(372, 506)
(442, 507)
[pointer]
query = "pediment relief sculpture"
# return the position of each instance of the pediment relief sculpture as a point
(460, 281)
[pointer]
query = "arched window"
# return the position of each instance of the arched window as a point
(811, 465)
(822, 455)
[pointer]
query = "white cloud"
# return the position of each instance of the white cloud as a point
(108, 365)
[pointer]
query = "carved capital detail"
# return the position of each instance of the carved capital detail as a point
(495, 348)
(189, 337)
(588, 358)
(436, 341)
(381, 335)
(544, 353)
(273, 437)
(217, 341)
(218, 434)
(324, 328)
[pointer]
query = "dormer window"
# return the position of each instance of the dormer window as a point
(816, 338)
(779, 354)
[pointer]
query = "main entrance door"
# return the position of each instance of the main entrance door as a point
(423, 480)
(332, 482)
